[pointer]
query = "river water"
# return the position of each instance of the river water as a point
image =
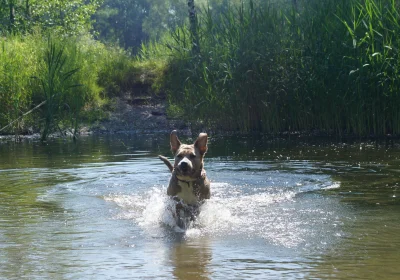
(280, 209)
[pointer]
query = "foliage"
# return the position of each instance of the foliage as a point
(55, 85)
(273, 66)
(29, 56)
(129, 23)
(70, 17)
(269, 66)
(121, 21)
(17, 62)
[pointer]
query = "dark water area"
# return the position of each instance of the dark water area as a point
(280, 209)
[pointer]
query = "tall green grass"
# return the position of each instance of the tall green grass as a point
(55, 88)
(124, 75)
(32, 71)
(16, 67)
(270, 66)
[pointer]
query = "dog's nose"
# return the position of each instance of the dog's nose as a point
(184, 165)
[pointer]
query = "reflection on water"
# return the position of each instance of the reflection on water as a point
(370, 252)
(279, 209)
(191, 258)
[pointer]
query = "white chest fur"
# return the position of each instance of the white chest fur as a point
(186, 193)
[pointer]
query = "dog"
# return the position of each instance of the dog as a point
(188, 185)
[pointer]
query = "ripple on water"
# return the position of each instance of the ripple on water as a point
(281, 217)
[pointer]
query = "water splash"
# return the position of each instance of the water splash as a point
(250, 215)
(332, 186)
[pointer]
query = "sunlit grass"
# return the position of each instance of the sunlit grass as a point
(269, 66)
(17, 63)
(327, 65)
(26, 80)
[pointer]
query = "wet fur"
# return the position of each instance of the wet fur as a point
(188, 183)
(167, 163)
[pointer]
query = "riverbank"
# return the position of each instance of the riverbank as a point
(295, 81)
(148, 115)
(140, 115)
(135, 116)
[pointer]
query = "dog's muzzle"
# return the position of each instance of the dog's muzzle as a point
(185, 166)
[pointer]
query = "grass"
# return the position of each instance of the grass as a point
(265, 66)
(57, 90)
(270, 66)
(15, 80)
(76, 76)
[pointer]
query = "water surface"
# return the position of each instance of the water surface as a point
(280, 209)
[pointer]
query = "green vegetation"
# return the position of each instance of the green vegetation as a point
(266, 66)
(34, 69)
(50, 67)
(326, 65)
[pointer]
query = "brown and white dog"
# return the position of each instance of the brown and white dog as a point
(189, 183)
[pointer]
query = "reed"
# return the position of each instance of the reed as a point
(270, 66)
(32, 71)
(55, 83)
(16, 67)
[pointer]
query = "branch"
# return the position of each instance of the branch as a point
(27, 113)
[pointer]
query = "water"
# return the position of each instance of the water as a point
(280, 209)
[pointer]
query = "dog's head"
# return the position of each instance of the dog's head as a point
(188, 158)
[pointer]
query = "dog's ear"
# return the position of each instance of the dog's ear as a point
(201, 143)
(174, 141)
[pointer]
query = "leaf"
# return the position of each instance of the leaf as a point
(353, 71)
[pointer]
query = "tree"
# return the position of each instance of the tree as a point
(164, 16)
(63, 16)
(121, 21)
(128, 23)
(131, 22)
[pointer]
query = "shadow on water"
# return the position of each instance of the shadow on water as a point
(279, 209)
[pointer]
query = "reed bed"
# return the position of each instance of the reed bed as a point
(272, 66)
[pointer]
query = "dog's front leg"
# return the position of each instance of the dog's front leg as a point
(180, 215)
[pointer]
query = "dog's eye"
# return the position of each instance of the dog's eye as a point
(192, 156)
(179, 156)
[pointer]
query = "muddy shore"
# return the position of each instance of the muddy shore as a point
(136, 116)
(128, 116)
(149, 116)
